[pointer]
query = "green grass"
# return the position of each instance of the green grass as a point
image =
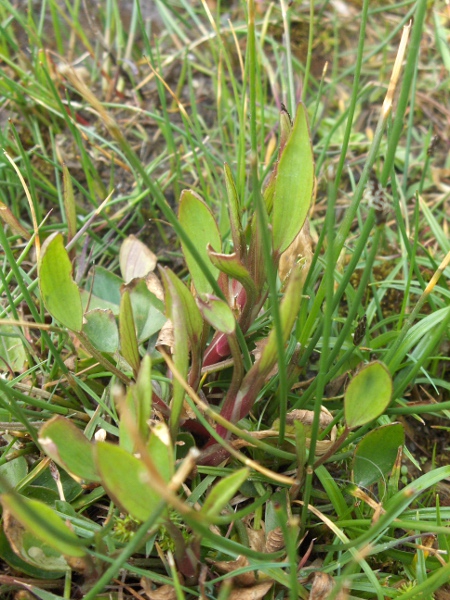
(105, 119)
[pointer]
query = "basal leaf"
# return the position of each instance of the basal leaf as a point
(101, 328)
(294, 184)
(125, 479)
(64, 443)
(40, 520)
(367, 395)
(376, 453)
(59, 291)
(127, 333)
(198, 221)
(223, 492)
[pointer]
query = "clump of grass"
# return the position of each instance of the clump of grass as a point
(187, 460)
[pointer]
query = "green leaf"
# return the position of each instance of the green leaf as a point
(41, 521)
(138, 408)
(148, 310)
(234, 210)
(294, 184)
(187, 327)
(217, 313)
(127, 331)
(64, 443)
(101, 328)
(198, 221)
(12, 473)
(288, 313)
(368, 394)
(136, 260)
(69, 204)
(143, 393)
(223, 492)
(125, 479)
(59, 292)
(181, 307)
(160, 449)
(34, 564)
(375, 454)
(105, 285)
(12, 349)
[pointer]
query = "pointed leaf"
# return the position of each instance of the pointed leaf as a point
(127, 330)
(69, 204)
(269, 183)
(181, 307)
(198, 221)
(187, 327)
(39, 519)
(138, 407)
(294, 184)
(234, 210)
(59, 292)
(223, 492)
(368, 394)
(376, 453)
(8, 217)
(161, 450)
(64, 443)
(125, 479)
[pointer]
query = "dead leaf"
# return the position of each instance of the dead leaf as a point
(136, 260)
(301, 247)
(155, 286)
(275, 540)
(307, 417)
(164, 592)
(228, 566)
(256, 538)
(322, 586)
(259, 347)
(251, 593)
(165, 337)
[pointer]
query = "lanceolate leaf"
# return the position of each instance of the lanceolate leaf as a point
(223, 492)
(69, 204)
(59, 291)
(294, 184)
(187, 327)
(124, 477)
(197, 219)
(235, 215)
(127, 330)
(64, 443)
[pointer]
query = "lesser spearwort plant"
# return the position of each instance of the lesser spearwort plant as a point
(224, 416)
